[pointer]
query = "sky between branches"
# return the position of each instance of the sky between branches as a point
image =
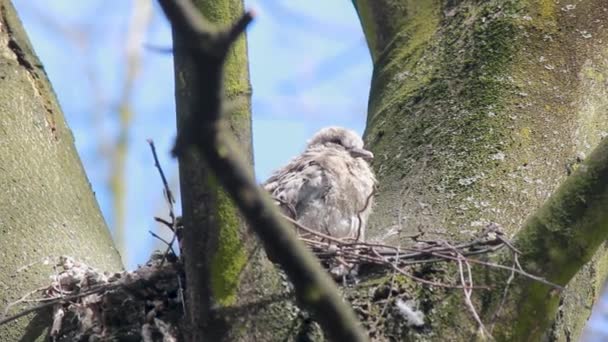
(309, 66)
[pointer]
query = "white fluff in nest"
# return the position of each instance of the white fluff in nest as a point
(413, 318)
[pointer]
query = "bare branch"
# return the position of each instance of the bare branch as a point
(208, 133)
(173, 225)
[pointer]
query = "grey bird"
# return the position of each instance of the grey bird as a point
(329, 187)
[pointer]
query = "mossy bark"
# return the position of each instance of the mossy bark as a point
(241, 292)
(47, 207)
(478, 111)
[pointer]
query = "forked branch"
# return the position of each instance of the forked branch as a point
(207, 133)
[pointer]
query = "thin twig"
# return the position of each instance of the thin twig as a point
(168, 192)
(21, 300)
(516, 270)
(365, 207)
(163, 221)
(134, 280)
(170, 202)
(388, 299)
(62, 299)
(394, 258)
(158, 48)
(421, 280)
(503, 300)
(168, 243)
(467, 289)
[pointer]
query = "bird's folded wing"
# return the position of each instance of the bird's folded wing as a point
(300, 183)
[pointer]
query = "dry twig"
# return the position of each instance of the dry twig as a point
(170, 202)
(327, 247)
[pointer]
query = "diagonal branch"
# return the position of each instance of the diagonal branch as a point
(573, 221)
(561, 237)
(208, 133)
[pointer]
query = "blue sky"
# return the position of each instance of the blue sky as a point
(309, 66)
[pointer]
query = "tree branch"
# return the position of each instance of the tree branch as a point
(208, 133)
(561, 237)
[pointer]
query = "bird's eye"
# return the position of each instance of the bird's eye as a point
(336, 141)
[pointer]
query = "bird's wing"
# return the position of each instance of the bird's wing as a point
(298, 184)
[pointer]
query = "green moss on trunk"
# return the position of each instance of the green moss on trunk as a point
(478, 111)
(240, 295)
(230, 258)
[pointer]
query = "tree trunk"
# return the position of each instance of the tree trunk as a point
(238, 294)
(478, 111)
(47, 208)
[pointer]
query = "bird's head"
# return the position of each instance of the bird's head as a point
(339, 137)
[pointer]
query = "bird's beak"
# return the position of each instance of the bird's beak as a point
(361, 153)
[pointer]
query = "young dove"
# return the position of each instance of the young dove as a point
(329, 187)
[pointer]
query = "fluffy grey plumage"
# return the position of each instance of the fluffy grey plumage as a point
(329, 186)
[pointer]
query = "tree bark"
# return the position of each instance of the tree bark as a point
(478, 111)
(47, 207)
(238, 294)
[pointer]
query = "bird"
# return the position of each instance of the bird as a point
(329, 187)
